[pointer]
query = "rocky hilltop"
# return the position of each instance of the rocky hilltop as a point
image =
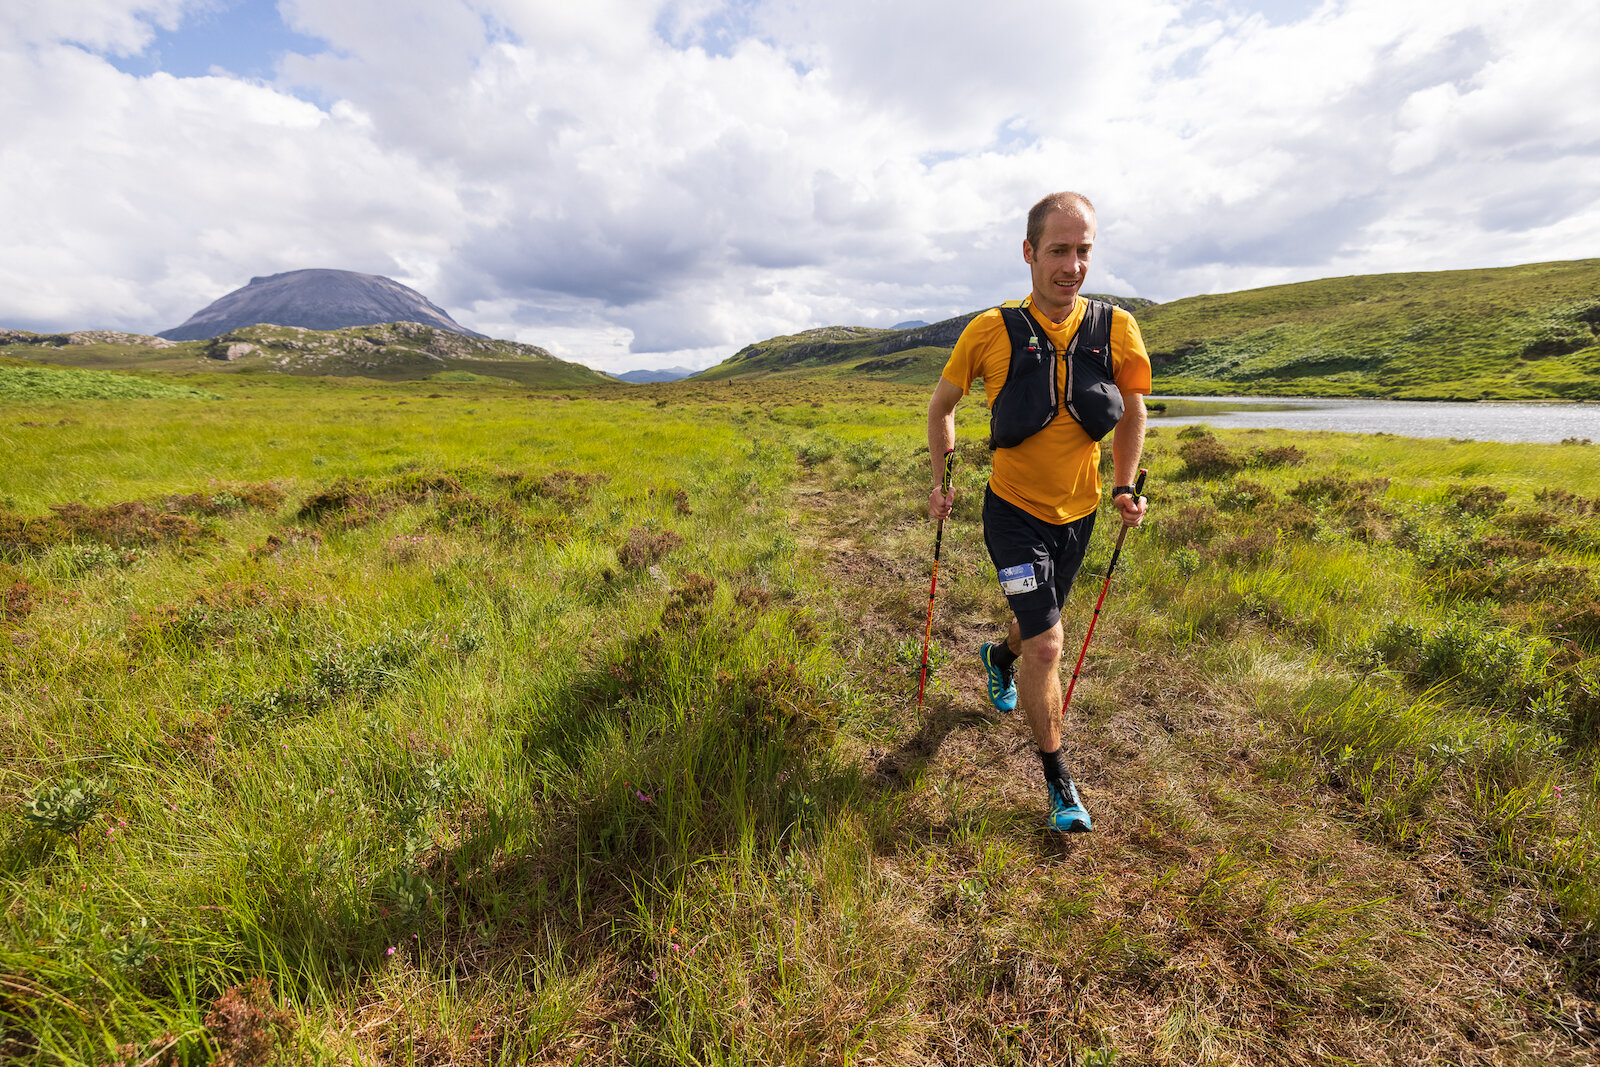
(315, 300)
(396, 351)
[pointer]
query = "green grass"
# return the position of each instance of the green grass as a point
(490, 727)
(25, 384)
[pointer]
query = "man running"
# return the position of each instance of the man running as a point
(1039, 507)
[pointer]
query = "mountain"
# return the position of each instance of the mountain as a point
(909, 324)
(645, 377)
(315, 300)
(398, 351)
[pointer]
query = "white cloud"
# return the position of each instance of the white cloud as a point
(686, 177)
(119, 27)
(147, 196)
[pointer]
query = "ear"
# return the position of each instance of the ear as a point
(1027, 252)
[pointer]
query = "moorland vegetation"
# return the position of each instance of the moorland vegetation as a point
(348, 721)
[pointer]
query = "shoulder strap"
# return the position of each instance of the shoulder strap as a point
(1093, 339)
(1023, 330)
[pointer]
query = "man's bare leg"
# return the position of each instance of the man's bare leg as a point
(1039, 693)
(1039, 685)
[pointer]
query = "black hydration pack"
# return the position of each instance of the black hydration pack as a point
(1027, 400)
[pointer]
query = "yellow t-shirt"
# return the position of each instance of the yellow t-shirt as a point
(1055, 474)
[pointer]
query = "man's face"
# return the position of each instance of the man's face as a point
(1061, 261)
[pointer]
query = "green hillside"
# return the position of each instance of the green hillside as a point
(852, 352)
(398, 351)
(1501, 333)
(1506, 333)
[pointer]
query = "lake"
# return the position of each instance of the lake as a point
(1481, 421)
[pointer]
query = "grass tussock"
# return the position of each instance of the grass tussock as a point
(21, 384)
(128, 525)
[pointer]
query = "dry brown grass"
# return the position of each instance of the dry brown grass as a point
(1227, 909)
(641, 547)
(127, 525)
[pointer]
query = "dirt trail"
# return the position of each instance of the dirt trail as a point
(1223, 911)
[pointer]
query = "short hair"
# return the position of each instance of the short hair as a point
(1049, 206)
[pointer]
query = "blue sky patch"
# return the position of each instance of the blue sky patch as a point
(243, 37)
(717, 34)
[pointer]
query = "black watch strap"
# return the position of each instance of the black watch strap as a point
(1119, 490)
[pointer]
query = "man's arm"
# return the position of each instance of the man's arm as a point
(1127, 445)
(941, 439)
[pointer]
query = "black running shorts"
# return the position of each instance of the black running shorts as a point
(1035, 561)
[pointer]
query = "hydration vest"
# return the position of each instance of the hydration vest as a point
(1027, 401)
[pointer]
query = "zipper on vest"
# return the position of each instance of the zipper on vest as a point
(1066, 398)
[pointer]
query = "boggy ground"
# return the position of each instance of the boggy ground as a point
(1232, 905)
(479, 727)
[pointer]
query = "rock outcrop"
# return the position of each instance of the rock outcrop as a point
(82, 337)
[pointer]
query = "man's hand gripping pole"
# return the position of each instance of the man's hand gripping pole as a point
(938, 542)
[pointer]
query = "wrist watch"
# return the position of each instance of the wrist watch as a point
(1119, 490)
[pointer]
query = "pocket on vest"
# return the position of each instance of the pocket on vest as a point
(1096, 403)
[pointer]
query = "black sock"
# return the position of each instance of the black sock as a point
(1001, 656)
(1054, 769)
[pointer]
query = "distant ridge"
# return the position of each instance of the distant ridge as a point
(315, 299)
(1528, 332)
(912, 353)
(648, 377)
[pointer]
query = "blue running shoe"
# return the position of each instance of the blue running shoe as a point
(1002, 684)
(1066, 810)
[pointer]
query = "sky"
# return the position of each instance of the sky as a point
(653, 183)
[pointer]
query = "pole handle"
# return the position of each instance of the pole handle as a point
(1138, 485)
(949, 470)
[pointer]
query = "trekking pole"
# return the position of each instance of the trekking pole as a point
(1138, 491)
(938, 542)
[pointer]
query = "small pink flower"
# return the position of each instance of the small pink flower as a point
(390, 952)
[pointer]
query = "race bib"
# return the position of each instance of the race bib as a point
(1018, 579)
